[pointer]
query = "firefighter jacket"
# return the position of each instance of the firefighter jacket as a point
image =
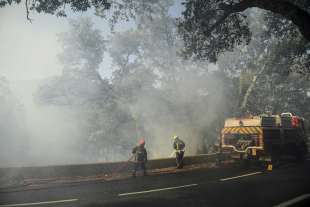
(140, 153)
(178, 145)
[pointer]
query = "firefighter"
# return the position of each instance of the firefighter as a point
(140, 157)
(179, 149)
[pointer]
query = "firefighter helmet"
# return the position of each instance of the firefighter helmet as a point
(141, 141)
(175, 137)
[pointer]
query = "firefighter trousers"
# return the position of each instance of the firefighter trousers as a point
(137, 165)
(179, 158)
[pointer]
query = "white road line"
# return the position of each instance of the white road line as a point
(157, 190)
(39, 203)
(240, 176)
(293, 201)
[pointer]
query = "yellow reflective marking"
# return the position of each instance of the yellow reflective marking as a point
(249, 130)
(269, 167)
(260, 130)
(232, 130)
(244, 131)
(235, 130)
(253, 130)
(225, 130)
(257, 130)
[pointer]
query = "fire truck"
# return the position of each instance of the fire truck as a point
(265, 137)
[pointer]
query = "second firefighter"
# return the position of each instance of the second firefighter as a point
(179, 148)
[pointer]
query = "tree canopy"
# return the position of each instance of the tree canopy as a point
(210, 27)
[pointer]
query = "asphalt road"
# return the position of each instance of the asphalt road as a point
(231, 186)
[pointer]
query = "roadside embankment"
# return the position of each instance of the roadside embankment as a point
(24, 176)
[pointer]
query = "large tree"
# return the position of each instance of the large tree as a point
(118, 9)
(210, 27)
(209, 14)
(165, 93)
(89, 101)
(273, 69)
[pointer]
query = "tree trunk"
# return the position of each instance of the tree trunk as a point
(250, 89)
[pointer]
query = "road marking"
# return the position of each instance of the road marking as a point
(293, 201)
(240, 176)
(157, 190)
(39, 203)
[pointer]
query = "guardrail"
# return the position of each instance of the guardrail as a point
(83, 170)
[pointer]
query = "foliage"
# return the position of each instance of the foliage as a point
(83, 48)
(207, 31)
(103, 124)
(59, 7)
(278, 51)
(213, 26)
(164, 93)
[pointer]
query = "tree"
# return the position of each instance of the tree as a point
(213, 26)
(119, 9)
(83, 49)
(80, 83)
(268, 79)
(58, 7)
(291, 45)
(90, 102)
(164, 93)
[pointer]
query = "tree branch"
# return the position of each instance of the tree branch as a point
(27, 12)
(250, 88)
(299, 17)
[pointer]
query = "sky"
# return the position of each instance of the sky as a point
(28, 51)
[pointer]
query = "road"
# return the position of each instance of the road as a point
(230, 186)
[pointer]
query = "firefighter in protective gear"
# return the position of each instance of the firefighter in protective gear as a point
(140, 157)
(179, 148)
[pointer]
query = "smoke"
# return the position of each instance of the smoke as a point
(193, 109)
(66, 118)
(36, 134)
(33, 133)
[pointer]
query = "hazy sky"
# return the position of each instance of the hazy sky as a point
(29, 51)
